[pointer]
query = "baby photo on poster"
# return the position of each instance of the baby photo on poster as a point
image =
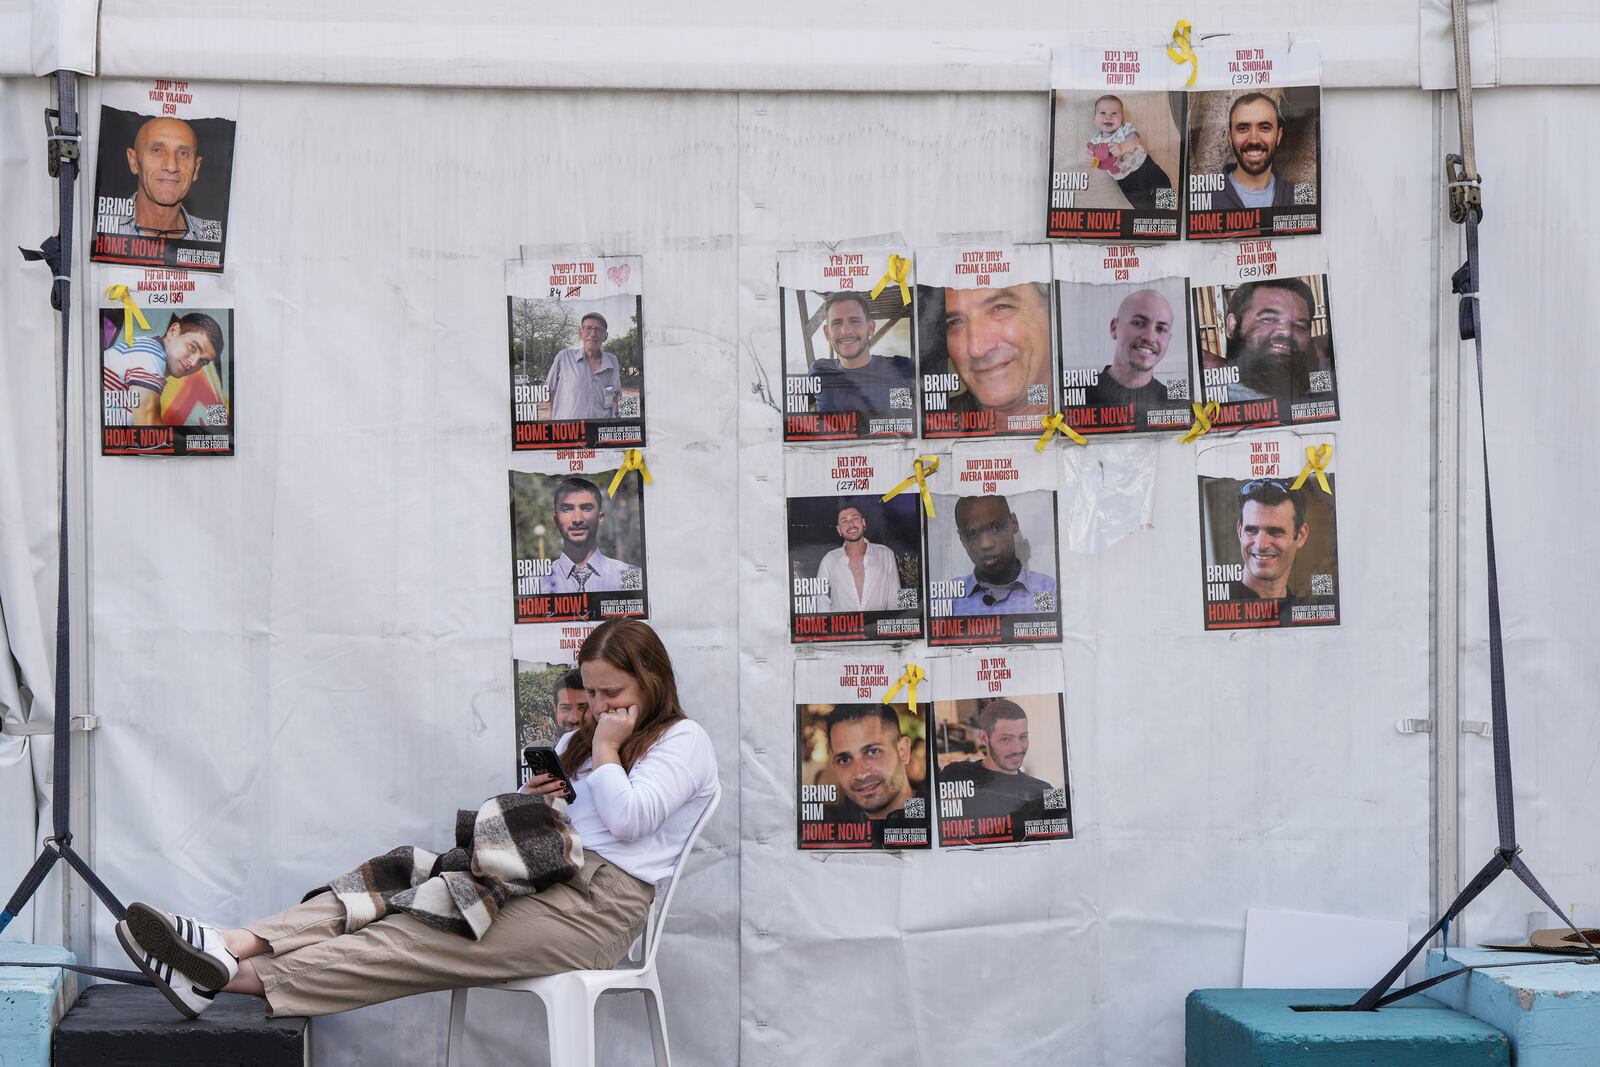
(164, 173)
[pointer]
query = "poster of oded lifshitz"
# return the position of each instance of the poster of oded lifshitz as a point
(576, 327)
(861, 764)
(855, 559)
(1116, 143)
(578, 552)
(1000, 747)
(992, 547)
(1122, 317)
(549, 699)
(1255, 139)
(1263, 329)
(166, 362)
(984, 342)
(164, 172)
(1269, 552)
(848, 368)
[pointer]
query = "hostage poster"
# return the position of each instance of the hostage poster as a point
(848, 350)
(164, 173)
(578, 552)
(1122, 314)
(1269, 551)
(166, 362)
(985, 346)
(993, 547)
(1000, 748)
(576, 330)
(549, 700)
(1255, 140)
(1116, 143)
(855, 559)
(861, 764)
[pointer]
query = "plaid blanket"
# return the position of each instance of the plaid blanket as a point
(515, 845)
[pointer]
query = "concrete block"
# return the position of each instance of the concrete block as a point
(1260, 1028)
(32, 1001)
(1550, 1013)
(126, 1025)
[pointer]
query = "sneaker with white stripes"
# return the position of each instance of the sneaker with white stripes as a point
(187, 945)
(189, 998)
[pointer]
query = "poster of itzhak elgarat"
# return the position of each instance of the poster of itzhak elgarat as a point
(855, 559)
(848, 349)
(992, 546)
(576, 326)
(1000, 748)
(861, 764)
(1263, 334)
(1269, 552)
(164, 172)
(549, 700)
(1116, 143)
(1123, 327)
(1255, 139)
(984, 342)
(166, 362)
(578, 550)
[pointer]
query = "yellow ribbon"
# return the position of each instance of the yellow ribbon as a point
(921, 467)
(1203, 414)
(131, 312)
(632, 460)
(908, 681)
(1181, 51)
(1316, 463)
(1054, 424)
(899, 270)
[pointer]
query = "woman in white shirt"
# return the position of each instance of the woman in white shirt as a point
(643, 773)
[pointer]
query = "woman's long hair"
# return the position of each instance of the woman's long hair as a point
(633, 648)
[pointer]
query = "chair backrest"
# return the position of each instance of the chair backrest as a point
(656, 921)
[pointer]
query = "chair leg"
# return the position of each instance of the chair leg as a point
(569, 1013)
(458, 1028)
(658, 1024)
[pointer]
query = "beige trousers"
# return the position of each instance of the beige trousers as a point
(314, 968)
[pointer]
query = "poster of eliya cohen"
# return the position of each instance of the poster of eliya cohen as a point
(577, 352)
(578, 553)
(1255, 140)
(862, 765)
(1263, 327)
(1000, 748)
(1116, 143)
(855, 559)
(164, 172)
(984, 342)
(166, 363)
(992, 546)
(1269, 552)
(548, 695)
(1122, 317)
(848, 369)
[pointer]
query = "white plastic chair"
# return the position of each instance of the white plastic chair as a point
(570, 997)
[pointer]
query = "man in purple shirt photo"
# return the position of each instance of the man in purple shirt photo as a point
(999, 584)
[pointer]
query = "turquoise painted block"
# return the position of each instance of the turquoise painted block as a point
(1260, 1028)
(32, 1001)
(1551, 1014)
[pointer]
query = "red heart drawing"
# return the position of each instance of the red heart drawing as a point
(619, 273)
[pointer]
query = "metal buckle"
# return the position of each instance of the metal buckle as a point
(1466, 191)
(63, 146)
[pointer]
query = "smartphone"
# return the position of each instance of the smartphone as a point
(542, 759)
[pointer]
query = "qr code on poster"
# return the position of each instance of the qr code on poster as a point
(906, 598)
(215, 415)
(1055, 798)
(916, 808)
(627, 407)
(1044, 601)
(632, 580)
(900, 398)
(1305, 193)
(1178, 389)
(1038, 394)
(1167, 199)
(1321, 381)
(207, 230)
(1322, 585)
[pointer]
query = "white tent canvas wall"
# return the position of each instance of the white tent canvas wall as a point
(301, 653)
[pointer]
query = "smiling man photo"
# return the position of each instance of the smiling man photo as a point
(582, 568)
(165, 160)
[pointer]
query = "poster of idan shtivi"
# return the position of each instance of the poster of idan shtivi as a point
(164, 173)
(855, 559)
(1116, 143)
(576, 327)
(1263, 334)
(578, 553)
(1269, 552)
(549, 700)
(166, 383)
(984, 342)
(1000, 746)
(848, 366)
(1122, 319)
(862, 765)
(1255, 139)
(992, 546)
